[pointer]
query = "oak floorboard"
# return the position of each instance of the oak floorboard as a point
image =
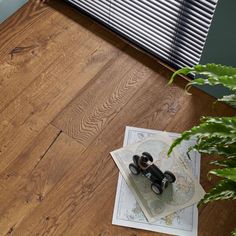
(68, 88)
(99, 102)
(17, 180)
(42, 101)
(78, 194)
(38, 104)
(39, 169)
(88, 199)
(28, 62)
(13, 29)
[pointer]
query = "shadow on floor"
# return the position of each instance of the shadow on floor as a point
(112, 38)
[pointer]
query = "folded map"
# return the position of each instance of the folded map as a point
(184, 192)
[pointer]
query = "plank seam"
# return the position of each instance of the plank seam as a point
(46, 151)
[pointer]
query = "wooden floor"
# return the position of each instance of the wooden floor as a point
(68, 89)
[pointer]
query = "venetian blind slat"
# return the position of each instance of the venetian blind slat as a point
(173, 30)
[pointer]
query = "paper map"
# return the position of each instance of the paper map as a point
(184, 192)
(127, 211)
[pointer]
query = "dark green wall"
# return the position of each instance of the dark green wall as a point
(220, 46)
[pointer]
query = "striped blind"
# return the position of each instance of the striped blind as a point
(173, 30)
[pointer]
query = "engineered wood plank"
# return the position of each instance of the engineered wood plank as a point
(34, 18)
(95, 151)
(82, 119)
(89, 113)
(87, 193)
(26, 61)
(29, 158)
(12, 30)
(217, 218)
(13, 178)
(73, 217)
(32, 176)
(15, 139)
(37, 105)
(56, 183)
(82, 195)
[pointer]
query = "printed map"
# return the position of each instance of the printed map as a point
(127, 211)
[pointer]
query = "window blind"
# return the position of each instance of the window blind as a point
(173, 30)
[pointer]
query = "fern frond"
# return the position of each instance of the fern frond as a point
(229, 162)
(229, 173)
(233, 233)
(215, 135)
(230, 99)
(223, 128)
(211, 74)
(225, 147)
(225, 189)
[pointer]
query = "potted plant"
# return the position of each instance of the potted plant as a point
(215, 135)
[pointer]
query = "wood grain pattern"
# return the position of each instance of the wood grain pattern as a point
(35, 186)
(18, 178)
(68, 88)
(49, 91)
(102, 100)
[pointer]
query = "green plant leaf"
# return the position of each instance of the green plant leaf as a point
(210, 74)
(182, 71)
(230, 162)
(216, 145)
(223, 128)
(229, 173)
(225, 189)
(227, 81)
(233, 233)
(230, 99)
(215, 69)
(229, 122)
(215, 135)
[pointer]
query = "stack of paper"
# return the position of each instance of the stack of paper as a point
(137, 206)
